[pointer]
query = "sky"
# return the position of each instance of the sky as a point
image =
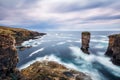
(61, 14)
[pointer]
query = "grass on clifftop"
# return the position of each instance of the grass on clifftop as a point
(19, 34)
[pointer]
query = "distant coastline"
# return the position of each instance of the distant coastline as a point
(20, 34)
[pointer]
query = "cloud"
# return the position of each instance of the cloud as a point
(60, 14)
(105, 17)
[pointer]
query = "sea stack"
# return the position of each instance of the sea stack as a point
(8, 59)
(114, 48)
(85, 42)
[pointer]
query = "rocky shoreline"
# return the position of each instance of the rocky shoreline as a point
(44, 70)
(37, 71)
(50, 70)
(20, 34)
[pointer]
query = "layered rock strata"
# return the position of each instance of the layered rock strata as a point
(20, 34)
(8, 59)
(50, 70)
(85, 42)
(114, 48)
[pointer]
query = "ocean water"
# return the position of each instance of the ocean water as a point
(64, 48)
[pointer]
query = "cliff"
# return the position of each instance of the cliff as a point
(114, 48)
(85, 42)
(19, 34)
(49, 70)
(8, 59)
(37, 71)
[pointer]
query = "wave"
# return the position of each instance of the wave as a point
(100, 46)
(39, 50)
(105, 61)
(31, 42)
(100, 40)
(69, 41)
(87, 64)
(60, 43)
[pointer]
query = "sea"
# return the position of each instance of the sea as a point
(64, 48)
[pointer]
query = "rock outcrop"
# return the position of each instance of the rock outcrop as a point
(50, 70)
(20, 34)
(114, 48)
(8, 59)
(37, 71)
(85, 42)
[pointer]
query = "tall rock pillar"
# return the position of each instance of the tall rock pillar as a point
(85, 42)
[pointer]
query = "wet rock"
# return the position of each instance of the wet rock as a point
(8, 59)
(50, 70)
(85, 42)
(114, 48)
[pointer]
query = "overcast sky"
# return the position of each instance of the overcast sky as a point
(61, 14)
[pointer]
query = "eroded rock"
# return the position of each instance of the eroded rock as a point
(114, 48)
(8, 59)
(85, 42)
(50, 70)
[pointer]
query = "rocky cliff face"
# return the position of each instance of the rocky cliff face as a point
(37, 71)
(109, 51)
(8, 59)
(85, 42)
(49, 70)
(19, 34)
(114, 48)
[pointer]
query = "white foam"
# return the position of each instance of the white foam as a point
(86, 66)
(60, 43)
(100, 46)
(49, 58)
(79, 54)
(69, 40)
(31, 42)
(79, 41)
(115, 70)
(39, 50)
(100, 41)
(101, 53)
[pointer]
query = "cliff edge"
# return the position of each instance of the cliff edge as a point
(20, 34)
(8, 59)
(114, 48)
